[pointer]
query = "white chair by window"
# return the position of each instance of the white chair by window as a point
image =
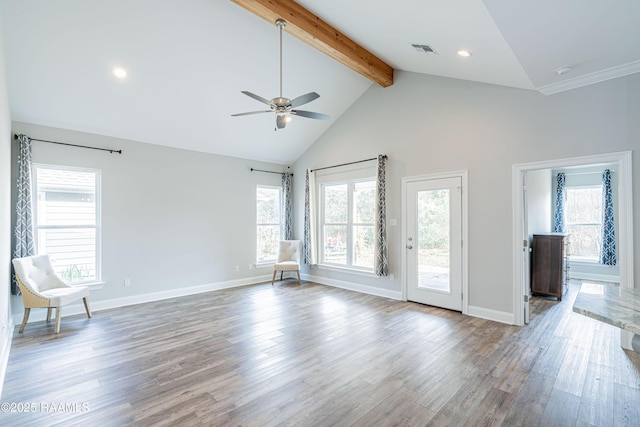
(41, 287)
(288, 258)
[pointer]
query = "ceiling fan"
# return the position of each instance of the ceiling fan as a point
(283, 107)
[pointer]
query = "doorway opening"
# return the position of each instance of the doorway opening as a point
(622, 162)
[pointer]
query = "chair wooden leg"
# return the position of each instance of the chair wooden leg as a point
(298, 271)
(48, 314)
(24, 319)
(58, 315)
(273, 279)
(86, 306)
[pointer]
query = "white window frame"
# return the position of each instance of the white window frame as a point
(568, 188)
(98, 225)
(265, 263)
(349, 176)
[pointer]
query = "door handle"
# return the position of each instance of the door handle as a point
(409, 247)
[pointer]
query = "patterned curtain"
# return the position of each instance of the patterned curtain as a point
(558, 218)
(608, 248)
(287, 207)
(24, 221)
(310, 240)
(381, 262)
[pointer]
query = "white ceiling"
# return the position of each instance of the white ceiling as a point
(187, 61)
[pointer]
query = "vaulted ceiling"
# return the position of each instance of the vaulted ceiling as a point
(187, 61)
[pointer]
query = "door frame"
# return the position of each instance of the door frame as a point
(526, 252)
(462, 174)
(625, 211)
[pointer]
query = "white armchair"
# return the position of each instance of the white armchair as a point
(288, 258)
(41, 287)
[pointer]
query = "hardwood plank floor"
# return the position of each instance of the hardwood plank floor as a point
(319, 356)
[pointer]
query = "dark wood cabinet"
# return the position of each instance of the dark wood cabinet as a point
(549, 264)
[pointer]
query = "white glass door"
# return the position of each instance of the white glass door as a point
(434, 242)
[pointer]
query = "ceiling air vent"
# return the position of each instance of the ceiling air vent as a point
(424, 48)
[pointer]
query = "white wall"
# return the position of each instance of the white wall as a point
(5, 213)
(173, 221)
(428, 124)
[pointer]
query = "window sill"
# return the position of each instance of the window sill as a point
(92, 285)
(596, 264)
(583, 261)
(348, 270)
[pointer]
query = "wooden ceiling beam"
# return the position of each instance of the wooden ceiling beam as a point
(309, 28)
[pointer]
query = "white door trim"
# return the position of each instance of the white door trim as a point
(462, 174)
(625, 209)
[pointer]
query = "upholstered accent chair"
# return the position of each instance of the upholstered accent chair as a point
(41, 287)
(288, 258)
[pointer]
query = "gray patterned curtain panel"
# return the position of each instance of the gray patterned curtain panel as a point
(309, 242)
(24, 221)
(381, 263)
(608, 248)
(287, 207)
(558, 218)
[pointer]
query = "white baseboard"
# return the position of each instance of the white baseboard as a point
(351, 286)
(484, 313)
(78, 308)
(5, 349)
(489, 314)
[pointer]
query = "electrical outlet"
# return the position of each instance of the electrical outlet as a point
(127, 283)
(392, 277)
(237, 268)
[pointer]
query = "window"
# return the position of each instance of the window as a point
(347, 223)
(67, 220)
(267, 223)
(583, 221)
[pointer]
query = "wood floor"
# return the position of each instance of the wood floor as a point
(319, 356)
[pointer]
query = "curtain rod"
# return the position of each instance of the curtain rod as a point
(72, 145)
(346, 164)
(582, 173)
(260, 170)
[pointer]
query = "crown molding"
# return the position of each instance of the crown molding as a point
(589, 79)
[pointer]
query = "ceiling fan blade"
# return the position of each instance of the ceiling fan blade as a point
(303, 99)
(310, 114)
(256, 97)
(251, 112)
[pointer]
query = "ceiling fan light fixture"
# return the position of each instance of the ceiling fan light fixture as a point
(281, 120)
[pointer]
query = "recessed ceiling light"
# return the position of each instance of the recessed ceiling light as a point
(563, 70)
(464, 53)
(120, 73)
